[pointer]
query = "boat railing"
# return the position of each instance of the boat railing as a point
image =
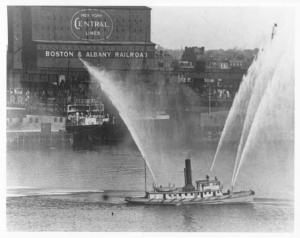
(164, 189)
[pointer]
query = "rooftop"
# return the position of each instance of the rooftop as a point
(88, 7)
(207, 181)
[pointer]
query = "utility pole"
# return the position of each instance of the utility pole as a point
(209, 109)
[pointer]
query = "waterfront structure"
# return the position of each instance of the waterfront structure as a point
(46, 76)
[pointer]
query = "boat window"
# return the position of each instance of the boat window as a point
(192, 194)
(185, 194)
(180, 194)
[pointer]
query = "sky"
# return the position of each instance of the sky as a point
(215, 27)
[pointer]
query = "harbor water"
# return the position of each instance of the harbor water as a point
(64, 190)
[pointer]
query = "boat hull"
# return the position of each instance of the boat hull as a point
(234, 198)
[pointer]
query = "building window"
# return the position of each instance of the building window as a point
(36, 120)
(30, 120)
(60, 119)
(55, 119)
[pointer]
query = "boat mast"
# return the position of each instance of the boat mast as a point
(145, 171)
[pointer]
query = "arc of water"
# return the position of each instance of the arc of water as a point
(252, 80)
(255, 99)
(281, 67)
(232, 116)
(240, 104)
(246, 102)
(269, 69)
(122, 111)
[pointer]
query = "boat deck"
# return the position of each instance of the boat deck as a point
(234, 198)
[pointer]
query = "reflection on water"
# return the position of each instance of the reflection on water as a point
(78, 191)
(90, 212)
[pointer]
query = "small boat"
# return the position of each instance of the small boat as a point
(207, 191)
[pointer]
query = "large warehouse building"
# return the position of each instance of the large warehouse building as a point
(46, 77)
(45, 42)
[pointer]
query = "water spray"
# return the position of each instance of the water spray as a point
(250, 96)
(105, 81)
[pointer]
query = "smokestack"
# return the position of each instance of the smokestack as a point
(188, 171)
(188, 176)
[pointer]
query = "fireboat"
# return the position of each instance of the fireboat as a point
(207, 191)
